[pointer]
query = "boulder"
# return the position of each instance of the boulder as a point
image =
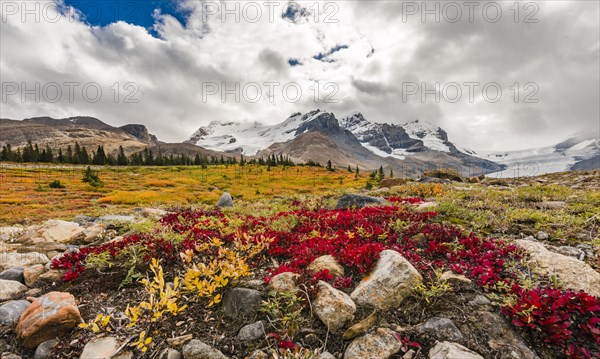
(284, 282)
(479, 300)
(154, 213)
(358, 201)
(48, 317)
(456, 279)
(241, 302)
(44, 350)
(225, 200)
(381, 344)
(11, 312)
(501, 336)
(426, 207)
(361, 327)
(52, 276)
(115, 218)
(333, 307)
(252, 332)
(392, 280)
(100, 348)
(196, 349)
(551, 205)
(31, 274)
(9, 260)
(14, 273)
(180, 340)
(50, 249)
(571, 272)
(326, 262)
(169, 353)
(59, 231)
(9, 233)
(449, 350)
(92, 233)
(11, 289)
(440, 328)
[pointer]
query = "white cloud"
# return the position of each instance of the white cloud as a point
(560, 54)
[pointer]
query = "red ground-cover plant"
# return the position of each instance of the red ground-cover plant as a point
(567, 320)
(74, 262)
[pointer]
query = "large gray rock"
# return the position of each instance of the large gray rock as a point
(551, 205)
(441, 329)
(169, 353)
(501, 336)
(449, 350)
(11, 312)
(115, 218)
(31, 274)
(100, 348)
(241, 302)
(59, 231)
(9, 233)
(252, 332)
(14, 273)
(571, 272)
(333, 307)
(11, 289)
(284, 282)
(427, 207)
(225, 200)
(196, 349)
(359, 201)
(9, 260)
(392, 280)
(380, 344)
(44, 350)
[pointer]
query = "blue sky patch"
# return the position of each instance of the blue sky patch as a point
(323, 56)
(137, 12)
(294, 62)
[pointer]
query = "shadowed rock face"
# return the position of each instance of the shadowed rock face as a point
(140, 132)
(383, 136)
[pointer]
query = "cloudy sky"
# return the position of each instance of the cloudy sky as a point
(175, 65)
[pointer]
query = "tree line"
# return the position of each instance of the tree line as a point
(32, 153)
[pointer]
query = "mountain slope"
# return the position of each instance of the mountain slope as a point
(352, 140)
(87, 131)
(355, 141)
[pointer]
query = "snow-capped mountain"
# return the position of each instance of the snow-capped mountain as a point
(578, 152)
(347, 141)
(249, 138)
(398, 141)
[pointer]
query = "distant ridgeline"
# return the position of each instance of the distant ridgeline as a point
(31, 153)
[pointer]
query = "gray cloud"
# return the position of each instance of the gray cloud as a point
(559, 53)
